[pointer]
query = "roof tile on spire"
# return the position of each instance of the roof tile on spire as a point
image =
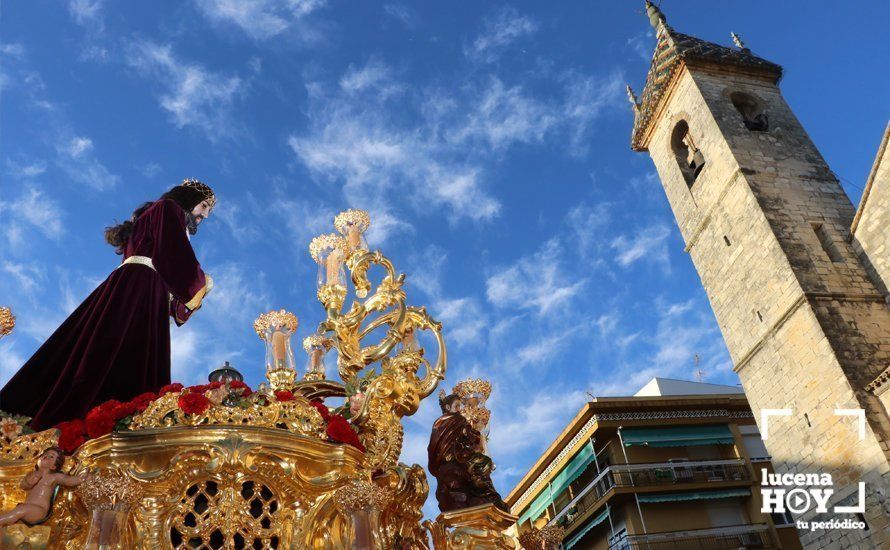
(672, 51)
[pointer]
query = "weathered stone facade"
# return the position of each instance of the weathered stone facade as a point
(871, 226)
(805, 320)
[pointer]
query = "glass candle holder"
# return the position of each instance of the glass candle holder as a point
(316, 347)
(352, 224)
(276, 329)
(329, 252)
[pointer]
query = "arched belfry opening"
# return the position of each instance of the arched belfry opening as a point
(751, 110)
(689, 157)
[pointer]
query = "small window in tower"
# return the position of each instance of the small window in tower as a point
(753, 116)
(689, 157)
(726, 240)
(827, 243)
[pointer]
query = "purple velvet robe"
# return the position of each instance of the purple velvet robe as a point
(116, 344)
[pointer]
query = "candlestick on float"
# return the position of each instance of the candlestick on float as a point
(316, 346)
(276, 328)
(352, 224)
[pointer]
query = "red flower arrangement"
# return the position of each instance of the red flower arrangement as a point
(71, 435)
(322, 410)
(284, 395)
(238, 385)
(104, 418)
(193, 403)
(340, 430)
(175, 387)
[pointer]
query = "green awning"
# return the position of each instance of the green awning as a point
(678, 436)
(587, 527)
(695, 495)
(573, 469)
(560, 483)
(537, 507)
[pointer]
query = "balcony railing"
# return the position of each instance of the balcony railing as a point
(668, 474)
(720, 538)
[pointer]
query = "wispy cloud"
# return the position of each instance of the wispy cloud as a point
(499, 31)
(402, 13)
(193, 95)
(86, 12)
(641, 44)
(261, 19)
(536, 282)
(649, 244)
(31, 211)
(76, 156)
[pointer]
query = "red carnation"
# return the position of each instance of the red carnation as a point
(193, 403)
(71, 435)
(325, 413)
(238, 385)
(122, 410)
(175, 387)
(142, 401)
(340, 431)
(99, 420)
(284, 395)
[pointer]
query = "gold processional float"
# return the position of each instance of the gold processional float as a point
(219, 466)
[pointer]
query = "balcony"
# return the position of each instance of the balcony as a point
(668, 475)
(719, 538)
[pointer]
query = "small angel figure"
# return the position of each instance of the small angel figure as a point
(41, 486)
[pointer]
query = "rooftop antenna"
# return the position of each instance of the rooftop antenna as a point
(699, 374)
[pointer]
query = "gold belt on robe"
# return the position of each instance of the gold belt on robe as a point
(141, 260)
(146, 261)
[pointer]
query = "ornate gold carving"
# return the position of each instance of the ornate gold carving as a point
(109, 490)
(362, 495)
(473, 386)
(7, 321)
(476, 528)
(281, 318)
(548, 538)
(296, 416)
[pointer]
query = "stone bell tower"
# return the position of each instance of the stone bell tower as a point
(767, 225)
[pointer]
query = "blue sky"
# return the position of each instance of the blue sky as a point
(488, 140)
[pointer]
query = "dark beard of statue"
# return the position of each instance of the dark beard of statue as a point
(192, 223)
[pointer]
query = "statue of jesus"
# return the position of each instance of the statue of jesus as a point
(116, 344)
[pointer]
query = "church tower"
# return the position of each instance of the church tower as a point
(767, 226)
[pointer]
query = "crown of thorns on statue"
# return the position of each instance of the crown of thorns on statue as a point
(202, 188)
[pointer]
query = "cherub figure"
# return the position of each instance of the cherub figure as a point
(41, 486)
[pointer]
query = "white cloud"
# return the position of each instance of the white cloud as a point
(77, 159)
(536, 282)
(401, 13)
(374, 75)
(12, 49)
(194, 96)
(35, 209)
(86, 12)
(260, 19)
(499, 31)
(641, 44)
(354, 141)
(505, 116)
(10, 360)
(650, 243)
(533, 422)
(25, 277)
(540, 351)
(25, 170)
(463, 319)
